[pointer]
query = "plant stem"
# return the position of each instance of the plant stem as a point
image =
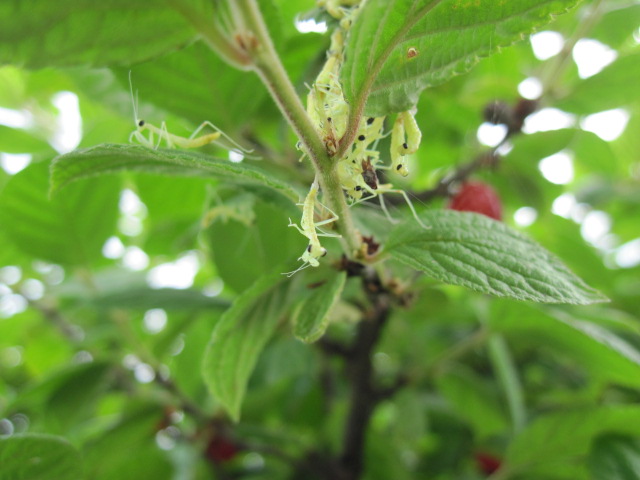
(508, 376)
(364, 394)
(560, 63)
(212, 35)
(267, 64)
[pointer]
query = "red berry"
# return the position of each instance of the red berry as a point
(477, 197)
(487, 463)
(221, 450)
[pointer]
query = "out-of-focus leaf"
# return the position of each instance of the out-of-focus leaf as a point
(262, 239)
(560, 438)
(113, 158)
(617, 80)
(290, 11)
(106, 456)
(617, 25)
(615, 457)
(239, 337)
(13, 140)
(39, 457)
(473, 251)
(474, 401)
(601, 352)
(69, 229)
(311, 318)
(194, 83)
(166, 298)
(563, 237)
(448, 38)
(40, 33)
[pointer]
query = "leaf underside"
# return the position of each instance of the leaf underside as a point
(114, 158)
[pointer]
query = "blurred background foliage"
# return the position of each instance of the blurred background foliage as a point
(109, 290)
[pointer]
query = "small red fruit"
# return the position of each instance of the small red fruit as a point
(487, 463)
(221, 449)
(477, 197)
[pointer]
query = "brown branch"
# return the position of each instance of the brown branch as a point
(364, 393)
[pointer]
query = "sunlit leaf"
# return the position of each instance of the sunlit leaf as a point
(40, 33)
(14, 140)
(398, 48)
(617, 80)
(69, 229)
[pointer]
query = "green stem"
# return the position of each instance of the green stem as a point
(212, 35)
(508, 377)
(458, 350)
(269, 68)
(561, 62)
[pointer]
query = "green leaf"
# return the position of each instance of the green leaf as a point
(615, 457)
(41, 33)
(14, 140)
(617, 25)
(312, 316)
(473, 251)
(239, 338)
(474, 400)
(113, 158)
(449, 36)
(143, 298)
(136, 430)
(605, 355)
(563, 438)
(258, 233)
(38, 457)
(617, 80)
(70, 229)
(73, 400)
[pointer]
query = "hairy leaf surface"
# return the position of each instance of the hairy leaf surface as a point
(311, 317)
(397, 48)
(239, 337)
(113, 158)
(484, 255)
